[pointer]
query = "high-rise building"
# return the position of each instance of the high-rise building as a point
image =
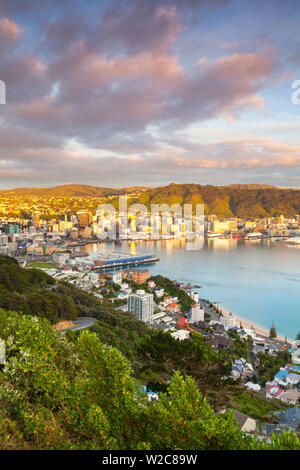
(84, 218)
(141, 304)
(36, 219)
(197, 314)
(74, 233)
(13, 229)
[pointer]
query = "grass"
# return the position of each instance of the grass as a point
(256, 405)
(42, 265)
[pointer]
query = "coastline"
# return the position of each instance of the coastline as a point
(259, 330)
(172, 270)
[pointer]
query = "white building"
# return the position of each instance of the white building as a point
(197, 314)
(117, 278)
(159, 291)
(253, 386)
(126, 287)
(180, 334)
(228, 320)
(194, 296)
(141, 304)
(292, 379)
(60, 258)
(92, 277)
(296, 352)
(162, 317)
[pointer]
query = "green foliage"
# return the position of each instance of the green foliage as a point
(83, 390)
(270, 365)
(80, 394)
(273, 332)
(240, 347)
(227, 201)
(26, 291)
(21, 280)
(40, 265)
(256, 406)
(171, 289)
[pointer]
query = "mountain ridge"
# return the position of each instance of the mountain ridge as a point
(236, 200)
(69, 190)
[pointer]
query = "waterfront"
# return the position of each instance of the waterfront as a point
(258, 280)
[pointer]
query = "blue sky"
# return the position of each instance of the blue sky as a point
(124, 93)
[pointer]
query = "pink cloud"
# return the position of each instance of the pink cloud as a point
(9, 30)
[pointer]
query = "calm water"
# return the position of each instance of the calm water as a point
(258, 280)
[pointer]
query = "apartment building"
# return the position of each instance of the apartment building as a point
(141, 304)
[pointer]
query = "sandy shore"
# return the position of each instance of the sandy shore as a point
(259, 330)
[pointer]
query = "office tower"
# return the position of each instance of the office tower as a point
(36, 219)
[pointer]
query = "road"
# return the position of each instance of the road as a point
(81, 323)
(209, 310)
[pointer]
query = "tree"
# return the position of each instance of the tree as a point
(298, 336)
(79, 393)
(273, 333)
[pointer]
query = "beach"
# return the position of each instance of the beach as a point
(259, 330)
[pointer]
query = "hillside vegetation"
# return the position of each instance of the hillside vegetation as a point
(33, 292)
(69, 190)
(228, 201)
(240, 200)
(59, 394)
(84, 390)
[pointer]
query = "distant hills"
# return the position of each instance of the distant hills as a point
(228, 201)
(236, 200)
(71, 190)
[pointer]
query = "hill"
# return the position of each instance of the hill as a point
(228, 201)
(85, 390)
(61, 394)
(70, 190)
(236, 200)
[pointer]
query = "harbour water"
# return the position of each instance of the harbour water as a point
(258, 280)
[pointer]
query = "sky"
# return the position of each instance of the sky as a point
(140, 92)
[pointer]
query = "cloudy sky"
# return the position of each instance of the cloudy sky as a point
(140, 92)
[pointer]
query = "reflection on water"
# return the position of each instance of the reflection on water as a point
(221, 244)
(257, 279)
(133, 248)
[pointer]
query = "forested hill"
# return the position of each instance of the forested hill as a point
(236, 200)
(228, 201)
(85, 390)
(70, 190)
(31, 291)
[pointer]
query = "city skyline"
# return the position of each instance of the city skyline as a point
(148, 93)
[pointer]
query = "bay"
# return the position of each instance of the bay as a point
(258, 280)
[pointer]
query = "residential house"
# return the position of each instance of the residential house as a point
(291, 397)
(218, 341)
(173, 308)
(280, 376)
(159, 292)
(182, 322)
(181, 334)
(274, 391)
(241, 368)
(252, 386)
(122, 295)
(292, 379)
(117, 278)
(290, 417)
(245, 423)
